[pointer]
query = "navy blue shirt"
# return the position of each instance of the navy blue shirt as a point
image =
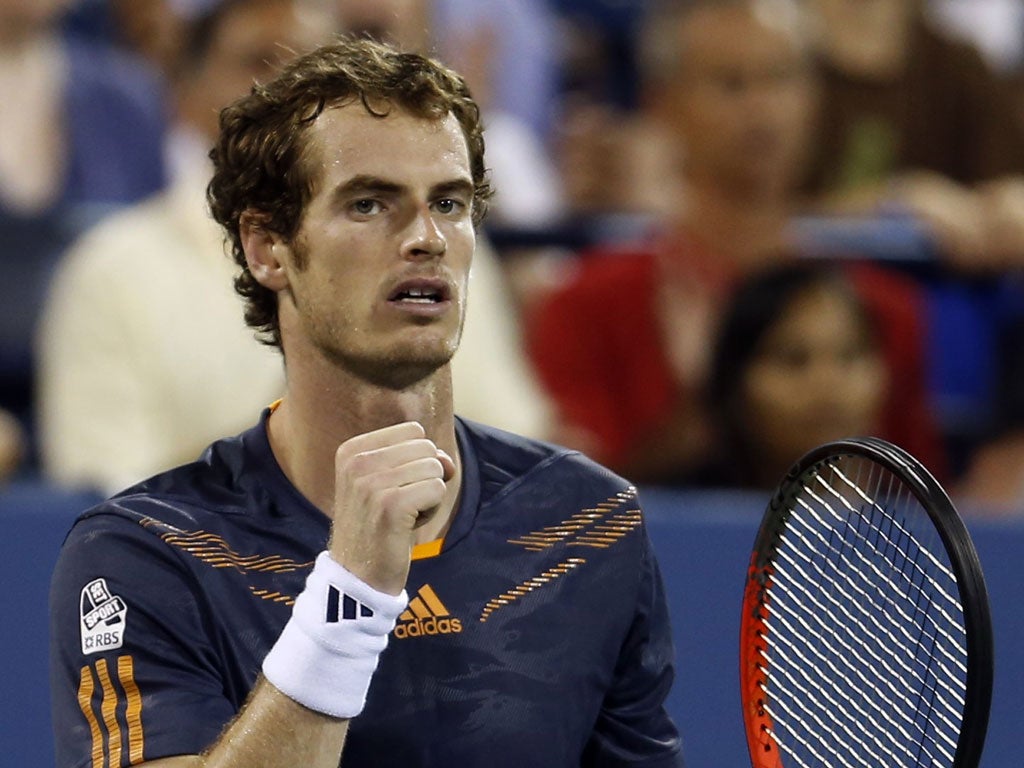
(537, 635)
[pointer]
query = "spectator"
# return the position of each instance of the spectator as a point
(623, 346)
(81, 132)
(153, 29)
(81, 124)
(144, 358)
(796, 363)
(914, 120)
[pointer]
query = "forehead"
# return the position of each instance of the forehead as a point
(723, 36)
(347, 140)
(819, 313)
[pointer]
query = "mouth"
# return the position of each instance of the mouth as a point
(420, 294)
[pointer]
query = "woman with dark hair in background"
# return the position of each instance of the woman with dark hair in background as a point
(797, 362)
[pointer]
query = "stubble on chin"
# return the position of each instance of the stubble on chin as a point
(397, 369)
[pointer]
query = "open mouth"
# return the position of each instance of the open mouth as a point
(418, 296)
(423, 291)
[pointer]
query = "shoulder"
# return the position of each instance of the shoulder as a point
(560, 477)
(193, 496)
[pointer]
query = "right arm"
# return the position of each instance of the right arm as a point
(272, 730)
(386, 482)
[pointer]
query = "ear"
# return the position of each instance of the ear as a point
(266, 253)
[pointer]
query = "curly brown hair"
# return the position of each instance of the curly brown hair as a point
(258, 158)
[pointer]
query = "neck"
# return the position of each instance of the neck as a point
(324, 406)
(744, 229)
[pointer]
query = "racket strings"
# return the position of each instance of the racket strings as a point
(853, 598)
(949, 595)
(794, 660)
(877, 708)
(800, 731)
(941, 597)
(907, 557)
(832, 699)
(918, 618)
(828, 635)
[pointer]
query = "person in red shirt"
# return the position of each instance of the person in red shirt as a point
(624, 345)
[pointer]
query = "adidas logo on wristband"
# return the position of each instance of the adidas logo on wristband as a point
(342, 607)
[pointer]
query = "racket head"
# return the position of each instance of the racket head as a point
(907, 503)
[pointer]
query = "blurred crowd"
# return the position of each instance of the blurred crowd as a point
(725, 231)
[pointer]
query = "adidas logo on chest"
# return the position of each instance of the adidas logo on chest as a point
(426, 615)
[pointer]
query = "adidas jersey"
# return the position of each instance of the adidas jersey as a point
(536, 633)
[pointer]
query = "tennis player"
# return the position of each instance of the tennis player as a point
(361, 570)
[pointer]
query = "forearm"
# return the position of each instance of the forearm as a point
(324, 656)
(273, 730)
(270, 731)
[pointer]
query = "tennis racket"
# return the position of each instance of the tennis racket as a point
(866, 638)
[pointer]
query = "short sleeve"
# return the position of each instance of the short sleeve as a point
(134, 672)
(634, 728)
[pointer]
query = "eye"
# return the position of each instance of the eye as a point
(366, 206)
(449, 205)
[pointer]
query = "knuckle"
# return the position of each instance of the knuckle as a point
(359, 463)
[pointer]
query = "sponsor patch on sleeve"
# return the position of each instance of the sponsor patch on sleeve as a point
(103, 618)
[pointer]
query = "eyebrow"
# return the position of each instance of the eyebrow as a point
(453, 187)
(375, 185)
(364, 184)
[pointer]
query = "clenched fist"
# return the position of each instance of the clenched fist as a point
(387, 483)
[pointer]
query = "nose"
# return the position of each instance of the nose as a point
(424, 239)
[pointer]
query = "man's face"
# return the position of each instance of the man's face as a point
(742, 104)
(379, 267)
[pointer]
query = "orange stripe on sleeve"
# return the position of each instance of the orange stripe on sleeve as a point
(86, 686)
(133, 708)
(109, 709)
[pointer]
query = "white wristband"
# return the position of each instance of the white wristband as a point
(328, 650)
